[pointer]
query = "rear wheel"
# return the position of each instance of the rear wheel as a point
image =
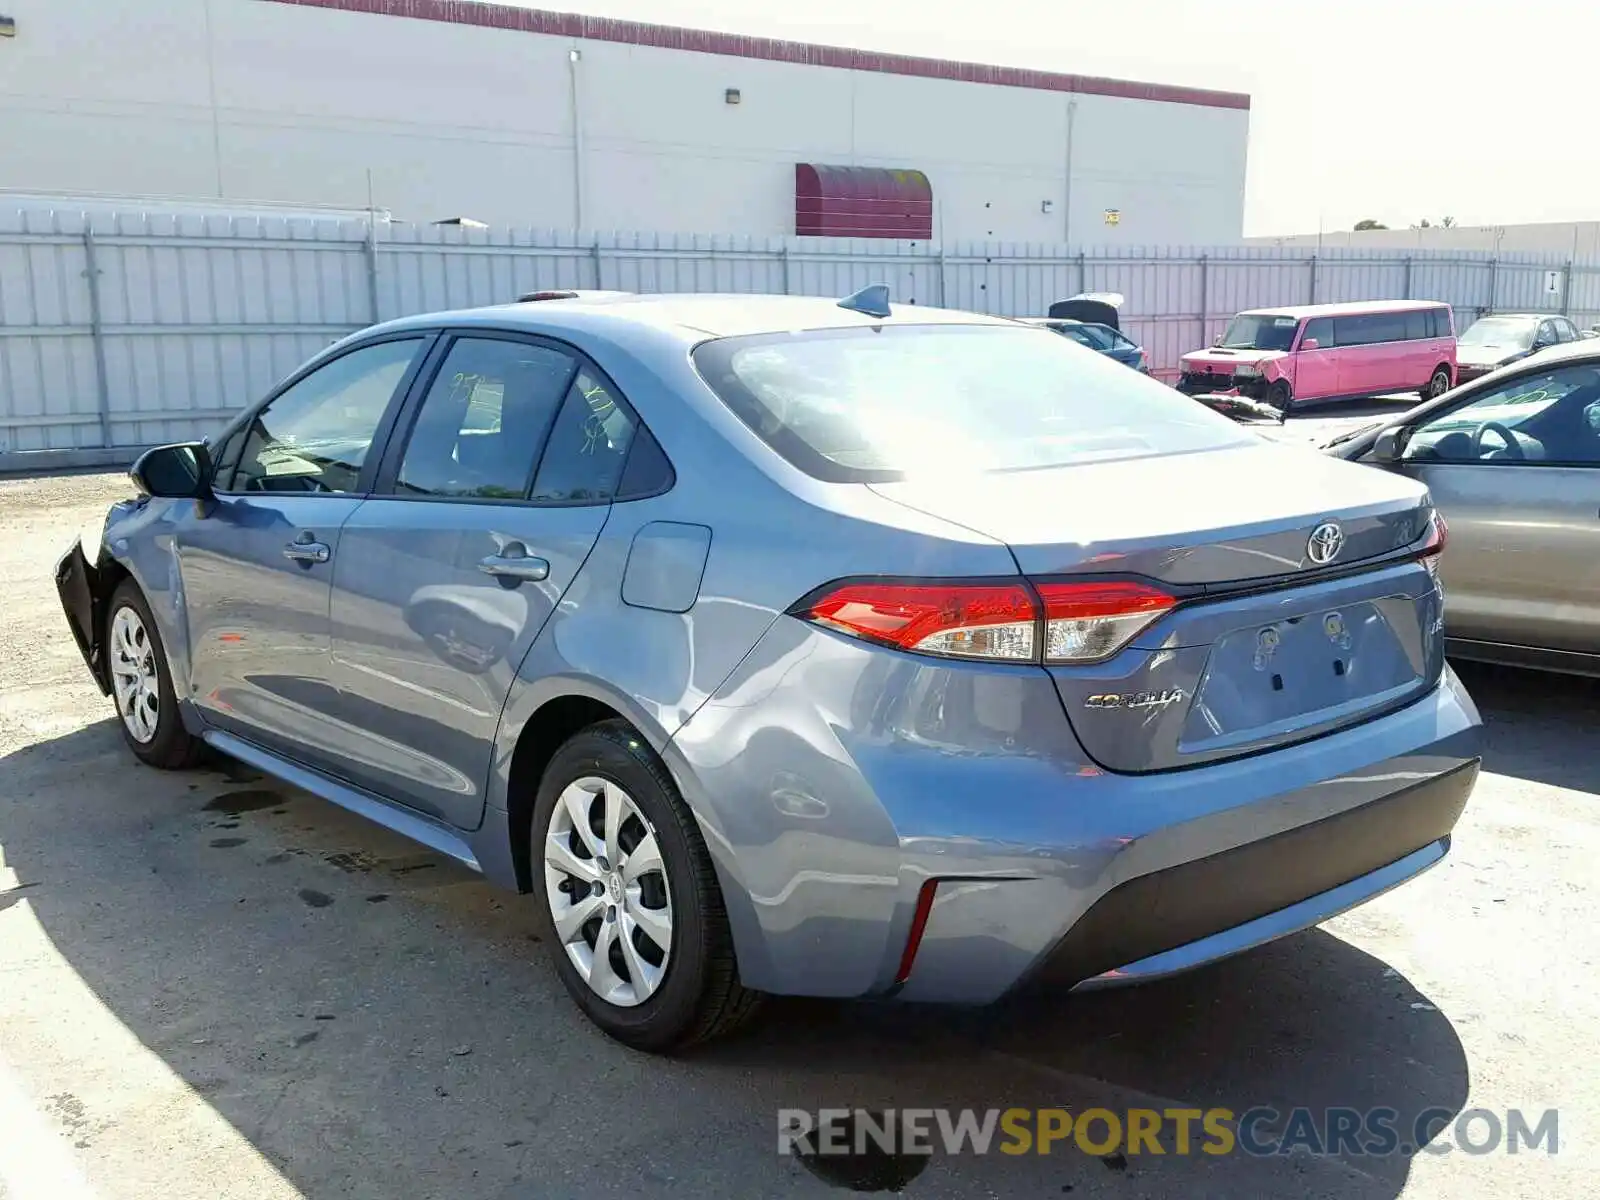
(1438, 383)
(628, 898)
(1280, 395)
(141, 684)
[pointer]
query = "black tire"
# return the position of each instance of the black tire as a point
(172, 748)
(700, 996)
(1280, 395)
(1438, 383)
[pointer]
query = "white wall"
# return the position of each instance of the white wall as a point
(251, 100)
(1578, 240)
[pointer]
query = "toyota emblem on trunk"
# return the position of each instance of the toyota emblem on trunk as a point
(1325, 543)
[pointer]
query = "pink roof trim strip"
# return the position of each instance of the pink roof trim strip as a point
(637, 33)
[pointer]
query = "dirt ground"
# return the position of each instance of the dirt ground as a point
(212, 985)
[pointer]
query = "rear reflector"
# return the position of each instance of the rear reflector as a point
(1085, 622)
(919, 926)
(1005, 620)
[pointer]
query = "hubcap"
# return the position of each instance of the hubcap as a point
(606, 885)
(1441, 384)
(133, 675)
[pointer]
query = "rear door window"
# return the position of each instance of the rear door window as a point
(1419, 325)
(478, 433)
(862, 405)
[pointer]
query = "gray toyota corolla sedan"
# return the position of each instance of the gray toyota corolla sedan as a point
(792, 646)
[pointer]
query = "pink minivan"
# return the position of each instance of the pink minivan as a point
(1329, 352)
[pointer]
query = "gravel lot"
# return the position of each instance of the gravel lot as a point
(212, 985)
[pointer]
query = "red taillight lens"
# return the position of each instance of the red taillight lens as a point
(961, 620)
(1438, 537)
(1085, 622)
(998, 621)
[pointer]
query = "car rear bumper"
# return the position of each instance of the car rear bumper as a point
(836, 783)
(1199, 911)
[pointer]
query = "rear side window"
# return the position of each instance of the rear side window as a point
(879, 403)
(1441, 322)
(1371, 329)
(588, 447)
(1419, 325)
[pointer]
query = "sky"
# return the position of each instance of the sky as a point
(1397, 111)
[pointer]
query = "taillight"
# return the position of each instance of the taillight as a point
(961, 620)
(1438, 538)
(1079, 622)
(1085, 622)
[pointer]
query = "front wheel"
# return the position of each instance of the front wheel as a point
(628, 897)
(1438, 384)
(141, 684)
(1280, 396)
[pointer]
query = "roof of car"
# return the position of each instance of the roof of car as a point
(1345, 309)
(696, 315)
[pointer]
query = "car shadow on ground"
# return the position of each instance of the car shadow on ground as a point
(1532, 719)
(376, 1022)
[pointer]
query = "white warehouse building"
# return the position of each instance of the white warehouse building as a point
(439, 109)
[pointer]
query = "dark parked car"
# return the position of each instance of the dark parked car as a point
(1494, 341)
(1100, 338)
(1092, 320)
(1513, 462)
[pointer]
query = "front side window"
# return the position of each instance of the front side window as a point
(480, 428)
(1550, 418)
(1260, 331)
(865, 405)
(1320, 328)
(315, 436)
(588, 446)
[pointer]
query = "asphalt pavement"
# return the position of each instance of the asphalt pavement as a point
(213, 985)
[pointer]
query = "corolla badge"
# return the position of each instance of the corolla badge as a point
(1325, 543)
(1135, 699)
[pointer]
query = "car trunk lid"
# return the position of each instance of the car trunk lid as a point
(1265, 644)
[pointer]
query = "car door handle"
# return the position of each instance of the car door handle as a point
(306, 549)
(517, 565)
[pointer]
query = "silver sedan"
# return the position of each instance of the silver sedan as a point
(1513, 463)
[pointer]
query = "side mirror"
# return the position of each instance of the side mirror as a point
(1309, 343)
(1217, 341)
(1390, 445)
(180, 471)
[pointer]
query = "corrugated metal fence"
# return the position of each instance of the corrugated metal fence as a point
(128, 330)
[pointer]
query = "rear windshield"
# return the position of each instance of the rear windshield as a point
(874, 404)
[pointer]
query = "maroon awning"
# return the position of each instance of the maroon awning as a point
(878, 202)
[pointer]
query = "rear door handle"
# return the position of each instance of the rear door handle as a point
(306, 549)
(515, 563)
